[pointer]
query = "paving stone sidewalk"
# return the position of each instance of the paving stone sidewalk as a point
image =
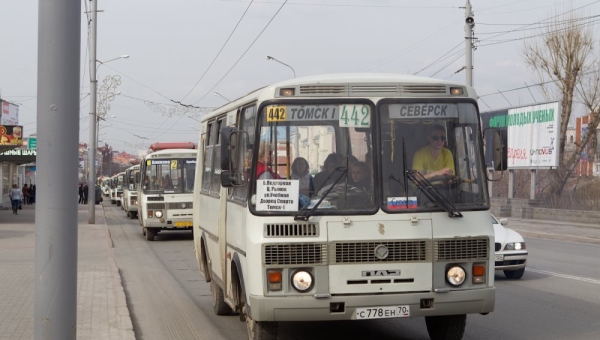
(102, 311)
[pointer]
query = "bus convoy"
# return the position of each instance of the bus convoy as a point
(336, 197)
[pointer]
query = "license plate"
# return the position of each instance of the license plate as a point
(499, 258)
(382, 312)
(183, 224)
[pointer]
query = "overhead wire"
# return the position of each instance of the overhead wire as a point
(219, 53)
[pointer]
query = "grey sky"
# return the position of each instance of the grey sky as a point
(172, 43)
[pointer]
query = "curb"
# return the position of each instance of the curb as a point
(124, 323)
(549, 236)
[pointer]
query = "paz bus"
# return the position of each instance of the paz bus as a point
(164, 197)
(389, 244)
(129, 198)
(116, 188)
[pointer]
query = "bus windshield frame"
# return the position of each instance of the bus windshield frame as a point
(169, 175)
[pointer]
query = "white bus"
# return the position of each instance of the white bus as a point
(116, 188)
(356, 232)
(165, 188)
(129, 198)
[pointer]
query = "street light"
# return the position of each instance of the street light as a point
(282, 63)
(217, 94)
(93, 122)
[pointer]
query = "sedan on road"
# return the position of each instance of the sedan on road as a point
(511, 252)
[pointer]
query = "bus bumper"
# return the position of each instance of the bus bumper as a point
(312, 309)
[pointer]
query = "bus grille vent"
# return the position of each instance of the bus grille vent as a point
(295, 254)
(291, 229)
(180, 205)
(156, 198)
(323, 89)
(395, 251)
(375, 89)
(437, 89)
(461, 249)
(152, 206)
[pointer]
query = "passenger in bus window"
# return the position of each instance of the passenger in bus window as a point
(332, 162)
(361, 176)
(265, 155)
(167, 183)
(434, 161)
(300, 172)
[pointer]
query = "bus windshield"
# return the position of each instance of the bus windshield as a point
(169, 175)
(320, 158)
(430, 156)
(315, 156)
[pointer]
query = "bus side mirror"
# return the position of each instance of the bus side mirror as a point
(498, 140)
(231, 179)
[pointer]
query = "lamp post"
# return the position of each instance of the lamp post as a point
(282, 63)
(217, 94)
(93, 119)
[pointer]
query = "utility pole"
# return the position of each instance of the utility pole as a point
(93, 147)
(59, 49)
(469, 24)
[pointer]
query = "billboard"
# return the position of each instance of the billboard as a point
(10, 114)
(533, 134)
(11, 135)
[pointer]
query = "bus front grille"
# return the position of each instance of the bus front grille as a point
(156, 198)
(291, 229)
(461, 249)
(154, 206)
(381, 251)
(294, 254)
(179, 205)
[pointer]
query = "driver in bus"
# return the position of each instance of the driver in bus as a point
(434, 161)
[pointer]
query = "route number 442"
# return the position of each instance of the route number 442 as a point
(355, 115)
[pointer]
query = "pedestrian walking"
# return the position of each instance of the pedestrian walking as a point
(15, 198)
(25, 195)
(85, 193)
(32, 194)
(80, 193)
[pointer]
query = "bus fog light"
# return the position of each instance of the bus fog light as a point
(302, 281)
(455, 275)
(274, 279)
(158, 214)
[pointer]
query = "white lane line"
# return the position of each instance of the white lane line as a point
(578, 278)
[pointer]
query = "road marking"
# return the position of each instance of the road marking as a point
(578, 278)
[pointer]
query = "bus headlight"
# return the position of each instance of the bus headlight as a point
(455, 275)
(158, 214)
(183, 206)
(302, 281)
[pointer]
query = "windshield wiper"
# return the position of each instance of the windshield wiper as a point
(432, 193)
(305, 217)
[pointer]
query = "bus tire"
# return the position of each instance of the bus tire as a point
(150, 234)
(446, 327)
(220, 307)
(514, 274)
(263, 330)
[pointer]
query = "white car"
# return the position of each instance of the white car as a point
(511, 252)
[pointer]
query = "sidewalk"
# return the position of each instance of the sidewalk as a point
(102, 311)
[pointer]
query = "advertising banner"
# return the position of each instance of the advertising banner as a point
(533, 133)
(11, 135)
(10, 114)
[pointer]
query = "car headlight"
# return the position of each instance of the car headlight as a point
(515, 246)
(302, 281)
(158, 214)
(455, 275)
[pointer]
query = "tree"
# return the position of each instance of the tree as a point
(564, 62)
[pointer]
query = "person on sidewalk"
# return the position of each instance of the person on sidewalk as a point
(25, 195)
(85, 193)
(81, 193)
(15, 198)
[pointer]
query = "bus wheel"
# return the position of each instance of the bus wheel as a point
(218, 298)
(447, 327)
(128, 214)
(258, 330)
(150, 234)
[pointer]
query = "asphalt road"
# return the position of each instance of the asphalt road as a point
(557, 298)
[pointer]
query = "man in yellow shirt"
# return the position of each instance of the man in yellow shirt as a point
(434, 161)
